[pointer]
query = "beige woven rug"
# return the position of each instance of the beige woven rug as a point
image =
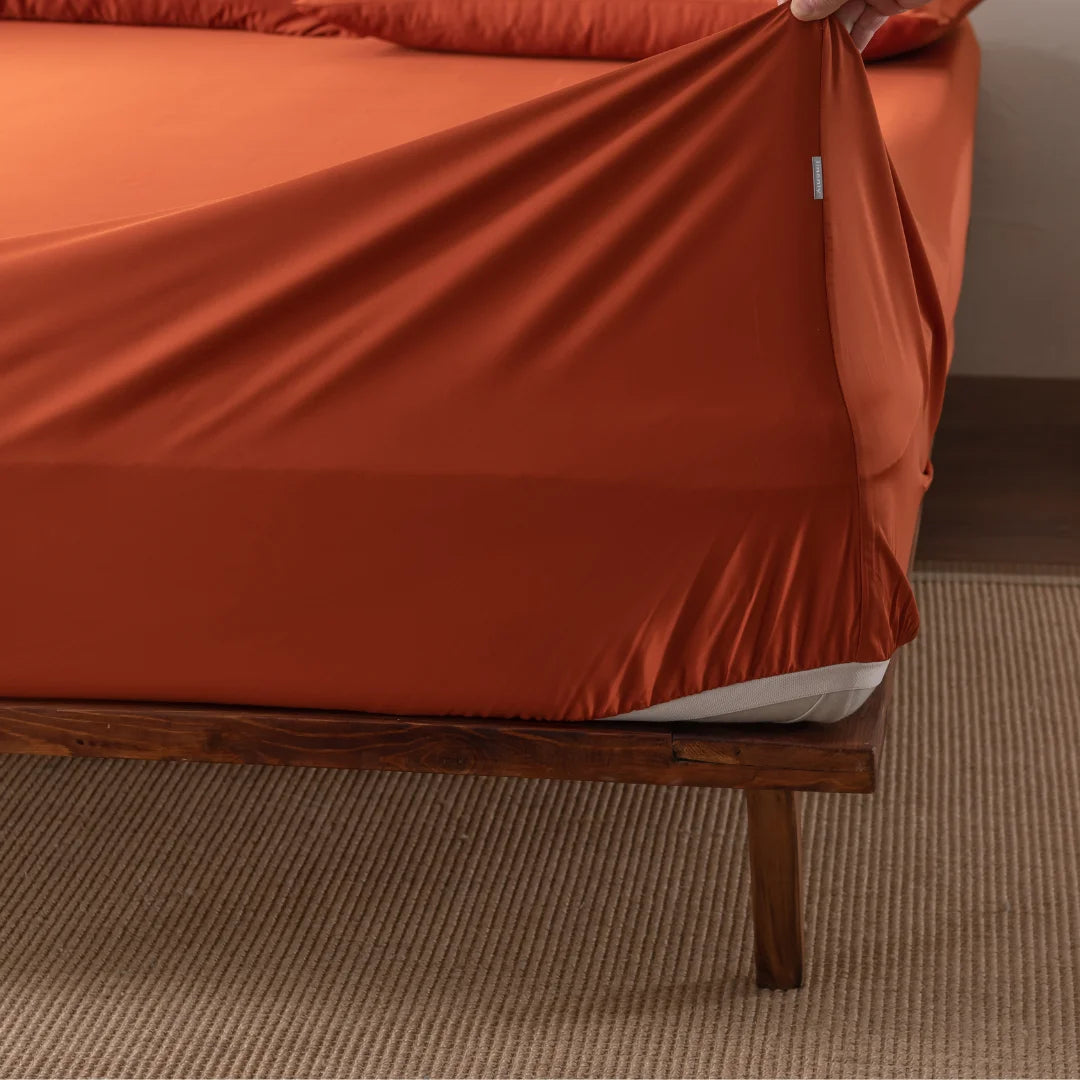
(162, 920)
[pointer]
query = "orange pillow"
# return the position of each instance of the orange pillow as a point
(914, 29)
(270, 16)
(608, 29)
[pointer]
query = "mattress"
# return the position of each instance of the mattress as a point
(338, 375)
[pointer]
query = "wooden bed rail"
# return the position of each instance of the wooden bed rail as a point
(806, 757)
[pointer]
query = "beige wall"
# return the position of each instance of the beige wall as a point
(1020, 312)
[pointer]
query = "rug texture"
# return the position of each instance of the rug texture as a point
(164, 920)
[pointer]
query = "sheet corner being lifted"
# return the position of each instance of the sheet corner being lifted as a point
(569, 411)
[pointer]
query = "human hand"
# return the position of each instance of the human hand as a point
(861, 18)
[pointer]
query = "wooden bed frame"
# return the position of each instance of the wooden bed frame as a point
(771, 763)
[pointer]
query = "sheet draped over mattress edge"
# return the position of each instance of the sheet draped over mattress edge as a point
(509, 421)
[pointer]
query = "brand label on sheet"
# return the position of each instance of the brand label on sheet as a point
(819, 178)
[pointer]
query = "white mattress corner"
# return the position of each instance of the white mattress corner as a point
(824, 695)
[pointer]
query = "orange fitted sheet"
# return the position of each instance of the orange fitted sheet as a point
(338, 375)
(107, 122)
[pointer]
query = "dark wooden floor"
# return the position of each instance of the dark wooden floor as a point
(1006, 473)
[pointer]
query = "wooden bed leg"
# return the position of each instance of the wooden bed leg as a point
(776, 886)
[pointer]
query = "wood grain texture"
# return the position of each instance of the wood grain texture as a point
(852, 746)
(774, 841)
(837, 757)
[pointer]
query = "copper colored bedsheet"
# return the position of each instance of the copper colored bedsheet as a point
(337, 375)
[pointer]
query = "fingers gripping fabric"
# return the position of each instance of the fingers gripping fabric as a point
(572, 410)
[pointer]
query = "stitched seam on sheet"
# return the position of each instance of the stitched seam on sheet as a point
(860, 505)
